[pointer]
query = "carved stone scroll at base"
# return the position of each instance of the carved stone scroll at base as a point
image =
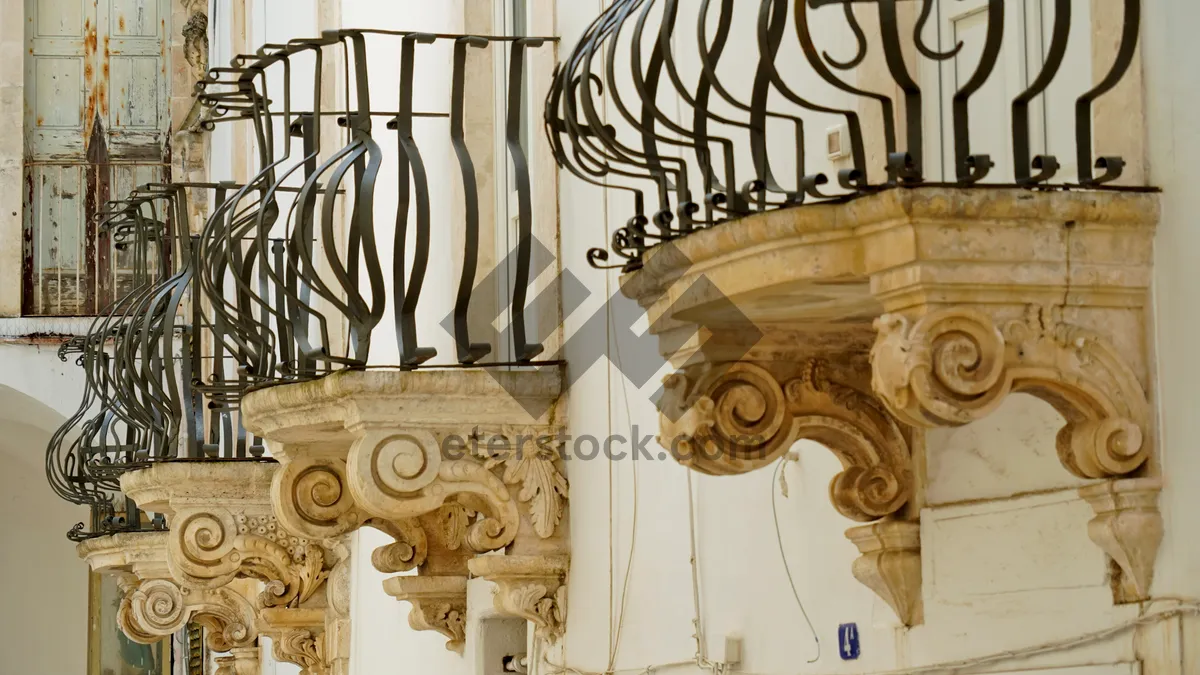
(529, 587)
(955, 366)
(891, 565)
(1128, 527)
(438, 604)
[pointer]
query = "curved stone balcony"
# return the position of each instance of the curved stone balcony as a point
(858, 324)
(450, 463)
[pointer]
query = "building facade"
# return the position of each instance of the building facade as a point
(588, 336)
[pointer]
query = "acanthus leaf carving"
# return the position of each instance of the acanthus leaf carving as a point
(954, 366)
(528, 587)
(303, 648)
(439, 603)
(543, 487)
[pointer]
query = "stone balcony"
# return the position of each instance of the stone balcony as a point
(858, 324)
(450, 463)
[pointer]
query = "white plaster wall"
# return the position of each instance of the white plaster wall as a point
(44, 628)
(1173, 99)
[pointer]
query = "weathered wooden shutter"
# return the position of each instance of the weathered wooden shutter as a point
(96, 126)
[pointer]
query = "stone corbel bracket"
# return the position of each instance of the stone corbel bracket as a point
(733, 417)
(439, 603)
(531, 587)
(450, 463)
(1129, 528)
(154, 607)
(298, 637)
(973, 294)
(222, 528)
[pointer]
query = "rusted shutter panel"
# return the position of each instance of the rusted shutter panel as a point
(97, 126)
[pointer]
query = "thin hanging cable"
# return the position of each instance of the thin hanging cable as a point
(783, 556)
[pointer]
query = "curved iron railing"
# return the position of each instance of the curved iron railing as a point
(327, 273)
(260, 295)
(612, 120)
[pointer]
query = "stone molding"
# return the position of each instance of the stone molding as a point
(451, 464)
(963, 296)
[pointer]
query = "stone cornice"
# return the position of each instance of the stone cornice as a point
(322, 410)
(847, 238)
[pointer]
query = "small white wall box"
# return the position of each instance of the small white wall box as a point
(837, 141)
(733, 650)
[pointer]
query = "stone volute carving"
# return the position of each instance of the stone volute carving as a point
(450, 464)
(725, 417)
(223, 533)
(955, 366)
(154, 606)
(964, 296)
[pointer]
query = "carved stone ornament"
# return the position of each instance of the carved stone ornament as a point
(450, 464)
(302, 648)
(438, 603)
(239, 661)
(891, 565)
(153, 606)
(529, 587)
(954, 366)
(1128, 527)
(222, 528)
(395, 446)
(732, 418)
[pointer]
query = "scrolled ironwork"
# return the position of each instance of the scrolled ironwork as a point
(260, 293)
(656, 98)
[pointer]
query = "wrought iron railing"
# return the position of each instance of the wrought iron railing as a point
(276, 287)
(658, 99)
(330, 271)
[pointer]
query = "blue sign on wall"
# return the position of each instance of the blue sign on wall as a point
(848, 646)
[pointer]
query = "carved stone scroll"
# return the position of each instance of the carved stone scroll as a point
(954, 366)
(450, 464)
(223, 528)
(733, 418)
